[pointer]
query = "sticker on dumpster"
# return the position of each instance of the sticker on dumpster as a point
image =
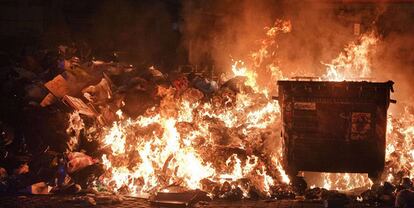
(361, 125)
(304, 106)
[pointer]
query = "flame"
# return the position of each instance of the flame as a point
(263, 69)
(239, 172)
(345, 181)
(239, 69)
(400, 146)
(164, 150)
(74, 129)
(283, 174)
(187, 139)
(172, 143)
(354, 62)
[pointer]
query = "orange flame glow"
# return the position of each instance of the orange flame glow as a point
(187, 139)
(353, 63)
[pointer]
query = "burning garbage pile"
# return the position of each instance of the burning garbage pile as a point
(138, 131)
(199, 138)
(202, 135)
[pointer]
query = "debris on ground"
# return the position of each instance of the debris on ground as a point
(404, 198)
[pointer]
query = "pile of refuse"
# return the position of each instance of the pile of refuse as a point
(42, 153)
(37, 155)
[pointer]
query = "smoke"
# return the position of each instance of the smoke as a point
(224, 30)
(219, 31)
(394, 61)
(231, 29)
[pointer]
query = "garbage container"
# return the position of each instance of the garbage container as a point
(334, 126)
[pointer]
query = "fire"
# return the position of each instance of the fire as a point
(173, 143)
(400, 147)
(283, 175)
(345, 181)
(75, 125)
(238, 171)
(187, 139)
(353, 63)
(239, 69)
(168, 146)
(116, 140)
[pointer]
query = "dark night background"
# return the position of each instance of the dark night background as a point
(105, 26)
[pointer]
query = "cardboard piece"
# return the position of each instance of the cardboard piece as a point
(78, 105)
(58, 86)
(49, 99)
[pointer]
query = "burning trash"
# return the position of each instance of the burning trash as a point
(102, 130)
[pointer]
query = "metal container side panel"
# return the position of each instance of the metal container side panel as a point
(331, 142)
(321, 136)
